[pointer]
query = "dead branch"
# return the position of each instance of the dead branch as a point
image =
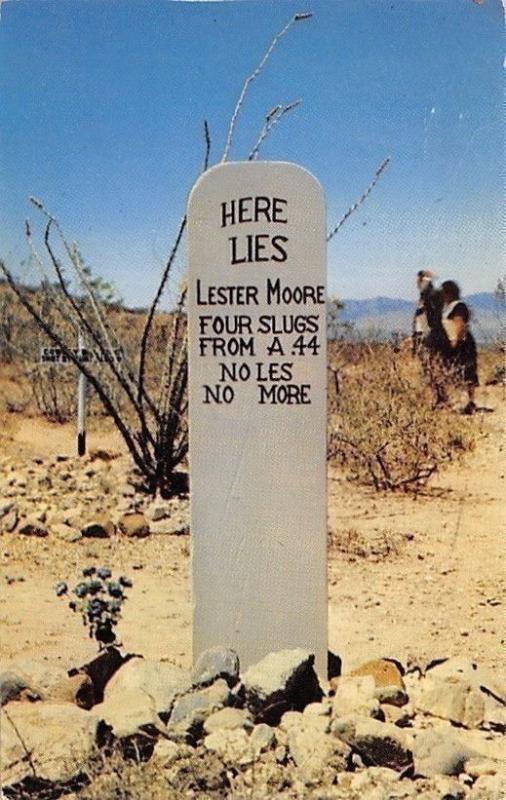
(254, 75)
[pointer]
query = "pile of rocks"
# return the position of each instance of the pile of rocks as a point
(91, 497)
(273, 730)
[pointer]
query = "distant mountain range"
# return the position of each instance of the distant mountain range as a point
(381, 316)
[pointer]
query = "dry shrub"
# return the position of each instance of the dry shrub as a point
(383, 430)
(375, 545)
(53, 390)
(113, 777)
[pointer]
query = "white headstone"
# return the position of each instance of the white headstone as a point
(257, 355)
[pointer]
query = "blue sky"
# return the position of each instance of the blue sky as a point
(102, 104)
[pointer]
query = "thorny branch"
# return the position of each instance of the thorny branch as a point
(377, 175)
(254, 75)
(271, 119)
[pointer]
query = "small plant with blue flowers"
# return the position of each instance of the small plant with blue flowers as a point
(99, 599)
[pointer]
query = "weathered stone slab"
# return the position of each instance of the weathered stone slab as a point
(257, 334)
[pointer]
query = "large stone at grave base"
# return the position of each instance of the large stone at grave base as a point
(233, 746)
(137, 693)
(217, 662)
(388, 680)
(440, 751)
(156, 681)
(280, 682)
(377, 743)
(317, 755)
(355, 695)
(190, 710)
(60, 739)
(228, 719)
(450, 698)
(373, 782)
(129, 714)
(470, 672)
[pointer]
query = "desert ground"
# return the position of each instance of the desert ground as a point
(411, 578)
(414, 578)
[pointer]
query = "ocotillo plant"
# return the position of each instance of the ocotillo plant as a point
(149, 411)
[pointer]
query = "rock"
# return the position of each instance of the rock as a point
(279, 682)
(59, 737)
(322, 709)
(179, 530)
(130, 713)
(294, 719)
(43, 679)
(384, 671)
(355, 695)
(190, 710)
(12, 687)
(217, 662)
(391, 696)
(478, 766)
(229, 719)
(161, 527)
(40, 681)
(262, 737)
(62, 531)
(316, 754)
(291, 719)
(373, 783)
(495, 714)
(157, 513)
(396, 715)
(451, 698)
(491, 689)
(6, 507)
(470, 672)
(233, 746)
(166, 752)
(485, 744)
(449, 788)
(76, 689)
(489, 787)
(99, 529)
(134, 525)
(138, 693)
(74, 518)
(32, 527)
(378, 743)
(388, 680)
(440, 751)
(158, 680)
(9, 521)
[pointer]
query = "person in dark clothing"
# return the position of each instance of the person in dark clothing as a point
(448, 344)
(429, 338)
(460, 352)
(431, 306)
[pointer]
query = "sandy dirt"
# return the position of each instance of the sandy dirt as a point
(434, 588)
